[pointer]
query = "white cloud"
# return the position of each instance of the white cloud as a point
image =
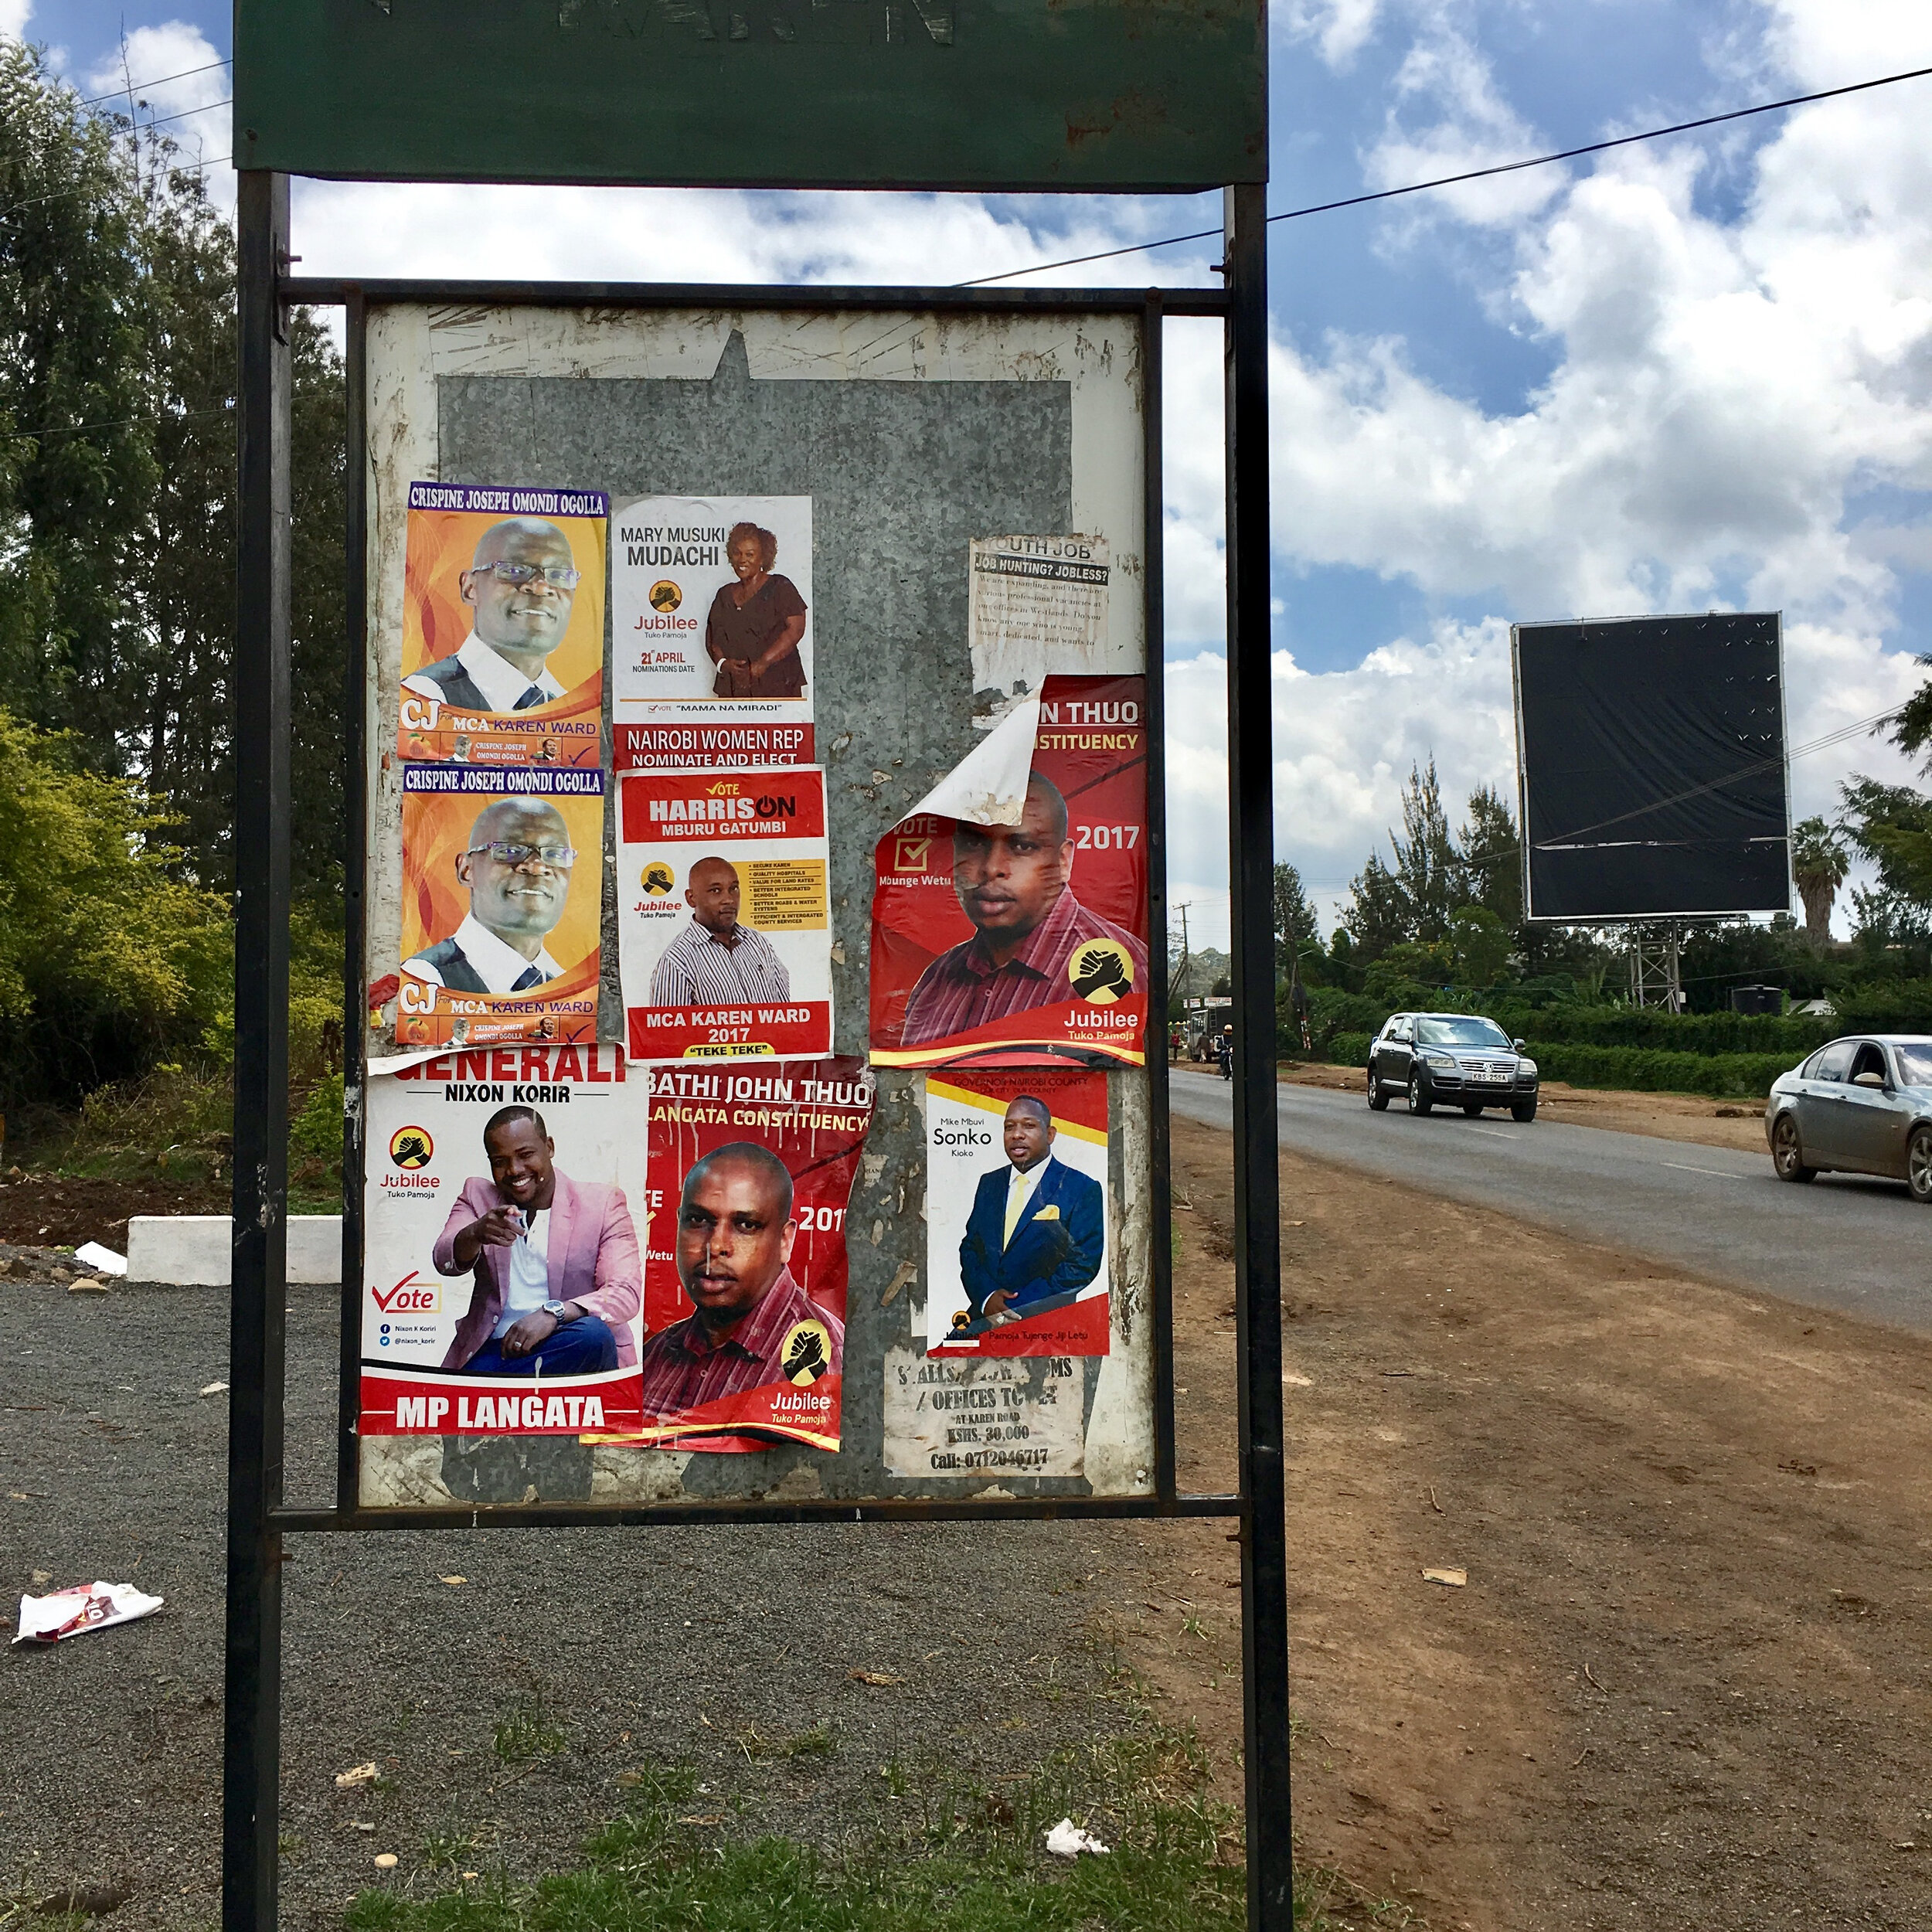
(1723, 394)
(14, 16)
(173, 75)
(1339, 28)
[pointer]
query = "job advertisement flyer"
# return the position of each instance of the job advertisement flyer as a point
(502, 643)
(1036, 604)
(712, 632)
(1026, 925)
(502, 893)
(724, 924)
(502, 1281)
(1016, 1212)
(750, 1171)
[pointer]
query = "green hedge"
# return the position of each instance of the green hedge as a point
(1646, 1070)
(1905, 1006)
(1635, 1069)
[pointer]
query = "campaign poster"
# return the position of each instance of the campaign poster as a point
(1016, 1249)
(750, 1171)
(1035, 603)
(711, 619)
(724, 918)
(502, 898)
(502, 1265)
(502, 645)
(1031, 933)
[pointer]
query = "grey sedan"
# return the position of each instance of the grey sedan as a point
(1857, 1106)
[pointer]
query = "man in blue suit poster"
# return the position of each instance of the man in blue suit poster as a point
(1037, 1232)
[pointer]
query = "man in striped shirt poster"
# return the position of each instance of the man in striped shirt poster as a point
(716, 960)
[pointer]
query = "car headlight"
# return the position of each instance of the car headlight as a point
(1525, 1067)
(1440, 1060)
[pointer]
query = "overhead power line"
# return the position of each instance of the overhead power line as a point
(147, 87)
(1474, 174)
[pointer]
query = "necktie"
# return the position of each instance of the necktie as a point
(529, 977)
(1017, 1191)
(532, 697)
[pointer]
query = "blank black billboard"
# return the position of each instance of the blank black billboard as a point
(1652, 764)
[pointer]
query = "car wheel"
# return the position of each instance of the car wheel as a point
(1918, 1165)
(1523, 1110)
(1787, 1157)
(1472, 1108)
(1378, 1100)
(1419, 1099)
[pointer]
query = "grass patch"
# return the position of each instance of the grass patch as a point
(527, 1732)
(950, 1857)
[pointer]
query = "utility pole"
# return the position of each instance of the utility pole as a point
(1181, 978)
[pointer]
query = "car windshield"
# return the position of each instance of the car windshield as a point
(1460, 1032)
(1915, 1065)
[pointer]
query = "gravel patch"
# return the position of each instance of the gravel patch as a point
(507, 1712)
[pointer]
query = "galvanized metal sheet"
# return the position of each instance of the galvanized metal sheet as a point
(1083, 94)
(913, 433)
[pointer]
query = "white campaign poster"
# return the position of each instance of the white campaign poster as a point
(1037, 609)
(724, 913)
(711, 618)
(1016, 1236)
(452, 1139)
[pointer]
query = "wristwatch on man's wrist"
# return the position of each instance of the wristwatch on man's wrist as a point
(555, 1310)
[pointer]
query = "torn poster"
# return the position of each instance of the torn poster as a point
(1010, 908)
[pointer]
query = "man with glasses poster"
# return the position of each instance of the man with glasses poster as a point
(520, 586)
(502, 637)
(516, 868)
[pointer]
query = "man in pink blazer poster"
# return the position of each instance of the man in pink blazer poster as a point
(558, 1279)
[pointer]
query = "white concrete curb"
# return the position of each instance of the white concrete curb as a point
(192, 1250)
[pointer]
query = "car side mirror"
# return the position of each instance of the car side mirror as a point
(1519, 1045)
(1868, 1080)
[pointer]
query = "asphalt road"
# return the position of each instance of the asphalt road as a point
(1843, 1242)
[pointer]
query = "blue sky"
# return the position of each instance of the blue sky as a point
(1690, 375)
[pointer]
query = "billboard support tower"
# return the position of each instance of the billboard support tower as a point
(1656, 951)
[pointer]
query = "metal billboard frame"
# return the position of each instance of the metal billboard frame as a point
(258, 1517)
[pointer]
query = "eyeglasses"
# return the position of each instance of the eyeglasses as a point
(558, 576)
(558, 857)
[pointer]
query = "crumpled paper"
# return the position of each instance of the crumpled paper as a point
(1067, 1840)
(68, 1612)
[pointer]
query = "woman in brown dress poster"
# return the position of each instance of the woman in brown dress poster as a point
(752, 634)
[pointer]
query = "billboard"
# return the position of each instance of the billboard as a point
(1650, 759)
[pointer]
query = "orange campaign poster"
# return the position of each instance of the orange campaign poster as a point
(724, 913)
(1016, 1212)
(502, 644)
(1031, 933)
(749, 1171)
(502, 892)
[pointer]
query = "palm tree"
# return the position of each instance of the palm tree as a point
(1818, 866)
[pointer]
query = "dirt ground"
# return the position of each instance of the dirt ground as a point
(1684, 1684)
(59, 1211)
(1670, 1116)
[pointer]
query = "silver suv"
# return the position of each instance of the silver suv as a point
(1450, 1059)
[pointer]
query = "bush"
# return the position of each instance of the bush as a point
(1904, 1006)
(1646, 1071)
(1350, 1050)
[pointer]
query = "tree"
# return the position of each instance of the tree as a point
(1819, 863)
(1378, 915)
(1295, 925)
(1428, 865)
(1492, 856)
(1480, 943)
(1892, 825)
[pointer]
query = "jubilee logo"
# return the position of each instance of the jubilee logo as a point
(1102, 971)
(665, 596)
(410, 1147)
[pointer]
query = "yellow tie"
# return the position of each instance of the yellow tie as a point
(1017, 1190)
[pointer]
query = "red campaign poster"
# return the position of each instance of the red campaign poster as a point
(749, 1171)
(1032, 934)
(1017, 1257)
